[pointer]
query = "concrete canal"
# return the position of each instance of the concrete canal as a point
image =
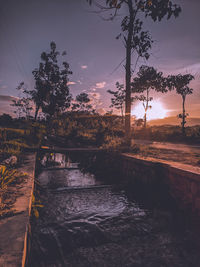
(93, 217)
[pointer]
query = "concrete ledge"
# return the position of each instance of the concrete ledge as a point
(183, 180)
(14, 230)
(177, 165)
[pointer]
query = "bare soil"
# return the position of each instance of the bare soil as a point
(189, 158)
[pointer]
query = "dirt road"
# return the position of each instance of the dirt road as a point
(171, 146)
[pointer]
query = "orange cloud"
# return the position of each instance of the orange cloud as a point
(100, 85)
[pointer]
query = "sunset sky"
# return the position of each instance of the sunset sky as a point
(28, 26)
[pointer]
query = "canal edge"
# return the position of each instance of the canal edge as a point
(28, 227)
(183, 180)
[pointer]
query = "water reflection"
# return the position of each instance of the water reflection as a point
(67, 178)
(57, 159)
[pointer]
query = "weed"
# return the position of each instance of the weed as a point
(35, 205)
(8, 176)
(112, 142)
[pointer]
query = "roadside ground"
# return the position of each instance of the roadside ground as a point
(174, 152)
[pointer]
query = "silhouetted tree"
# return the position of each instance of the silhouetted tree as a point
(23, 105)
(135, 39)
(82, 103)
(17, 104)
(180, 83)
(118, 99)
(145, 102)
(148, 79)
(51, 92)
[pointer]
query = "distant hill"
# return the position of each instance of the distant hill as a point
(174, 121)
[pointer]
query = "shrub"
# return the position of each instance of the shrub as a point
(7, 176)
(112, 142)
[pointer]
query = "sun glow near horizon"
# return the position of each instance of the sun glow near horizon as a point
(156, 112)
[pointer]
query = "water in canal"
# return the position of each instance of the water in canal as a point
(93, 220)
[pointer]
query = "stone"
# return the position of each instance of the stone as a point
(10, 161)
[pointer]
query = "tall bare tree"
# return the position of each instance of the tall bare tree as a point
(134, 38)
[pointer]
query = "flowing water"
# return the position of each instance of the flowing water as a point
(90, 221)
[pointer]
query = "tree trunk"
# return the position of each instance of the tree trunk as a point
(122, 113)
(183, 117)
(145, 120)
(36, 112)
(146, 109)
(128, 76)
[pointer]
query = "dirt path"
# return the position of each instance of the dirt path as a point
(186, 154)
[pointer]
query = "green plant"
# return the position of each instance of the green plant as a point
(112, 142)
(8, 176)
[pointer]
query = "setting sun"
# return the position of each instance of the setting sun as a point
(156, 112)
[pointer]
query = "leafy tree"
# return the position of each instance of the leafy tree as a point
(180, 83)
(118, 99)
(135, 39)
(148, 79)
(51, 92)
(82, 103)
(23, 105)
(17, 104)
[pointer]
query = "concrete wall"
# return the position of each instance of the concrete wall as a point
(182, 181)
(185, 187)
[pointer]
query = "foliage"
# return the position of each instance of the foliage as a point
(37, 133)
(81, 129)
(14, 141)
(180, 83)
(8, 176)
(118, 99)
(148, 79)
(10, 133)
(51, 92)
(169, 133)
(11, 142)
(82, 103)
(134, 37)
(23, 105)
(112, 142)
(17, 144)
